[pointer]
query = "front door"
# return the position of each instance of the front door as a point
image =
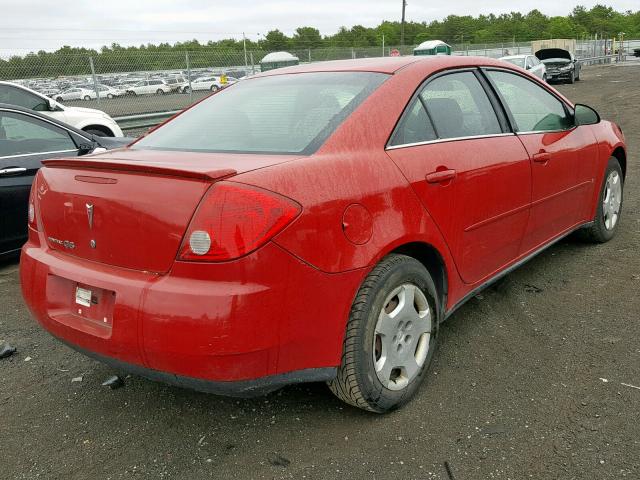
(472, 176)
(561, 156)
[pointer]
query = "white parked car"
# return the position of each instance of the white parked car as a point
(76, 93)
(146, 87)
(530, 63)
(87, 119)
(105, 91)
(210, 83)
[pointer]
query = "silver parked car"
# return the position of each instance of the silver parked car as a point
(530, 63)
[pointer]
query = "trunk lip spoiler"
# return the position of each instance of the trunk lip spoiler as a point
(143, 167)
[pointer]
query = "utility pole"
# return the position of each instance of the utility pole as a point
(383, 44)
(404, 4)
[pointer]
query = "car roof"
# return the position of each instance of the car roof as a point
(388, 65)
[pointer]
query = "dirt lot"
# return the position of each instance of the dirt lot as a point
(527, 383)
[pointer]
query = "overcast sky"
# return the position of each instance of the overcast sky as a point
(29, 25)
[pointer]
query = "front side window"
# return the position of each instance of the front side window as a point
(459, 107)
(532, 107)
(22, 134)
(273, 114)
(17, 96)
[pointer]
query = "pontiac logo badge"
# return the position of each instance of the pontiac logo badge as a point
(90, 214)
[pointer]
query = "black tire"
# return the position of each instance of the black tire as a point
(160, 91)
(214, 88)
(357, 382)
(98, 133)
(572, 78)
(544, 78)
(598, 232)
(109, 95)
(86, 98)
(131, 92)
(59, 99)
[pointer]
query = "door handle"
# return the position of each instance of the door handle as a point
(441, 176)
(542, 157)
(12, 170)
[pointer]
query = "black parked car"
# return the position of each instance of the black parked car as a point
(26, 138)
(561, 64)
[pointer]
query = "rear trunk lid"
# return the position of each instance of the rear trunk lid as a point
(130, 208)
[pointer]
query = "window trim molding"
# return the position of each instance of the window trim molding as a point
(453, 139)
(19, 155)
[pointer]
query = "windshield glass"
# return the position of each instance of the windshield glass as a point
(516, 61)
(276, 114)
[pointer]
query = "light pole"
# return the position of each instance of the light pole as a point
(244, 46)
(404, 5)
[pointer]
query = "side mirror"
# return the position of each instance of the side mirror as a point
(584, 115)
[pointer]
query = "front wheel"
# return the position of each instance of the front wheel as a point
(160, 91)
(109, 95)
(86, 98)
(214, 88)
(605, 224)
(572, 77)
(544, 78)
(390, 336)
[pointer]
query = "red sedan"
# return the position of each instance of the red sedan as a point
(315, 223)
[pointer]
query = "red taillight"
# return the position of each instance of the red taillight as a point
(32, 217)
(233, 220)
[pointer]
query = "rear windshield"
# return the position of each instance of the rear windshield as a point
(278, 114)
(519, 61)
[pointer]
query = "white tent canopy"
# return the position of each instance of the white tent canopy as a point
(430, 44)
(279, 57)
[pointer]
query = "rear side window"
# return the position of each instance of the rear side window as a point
(17, 96)
(532, 107)
(22, 134)
(275, 114)
(415, 126)
(459, 107)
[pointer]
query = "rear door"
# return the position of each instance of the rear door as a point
(472, 175)
(24, 141)
(562, 156)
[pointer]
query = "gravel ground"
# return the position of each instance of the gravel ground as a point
(528, 382)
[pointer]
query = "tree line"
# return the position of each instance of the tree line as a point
(603, 21)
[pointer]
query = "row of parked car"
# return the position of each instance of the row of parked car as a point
(118, 85)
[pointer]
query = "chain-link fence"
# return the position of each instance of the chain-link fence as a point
(128, 82)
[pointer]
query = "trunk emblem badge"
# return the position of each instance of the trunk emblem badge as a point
(90, 214)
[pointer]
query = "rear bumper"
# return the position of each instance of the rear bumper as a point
(239, 388)
(237, 328)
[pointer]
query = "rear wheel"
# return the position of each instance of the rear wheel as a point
(605, 224)
(390, 338)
